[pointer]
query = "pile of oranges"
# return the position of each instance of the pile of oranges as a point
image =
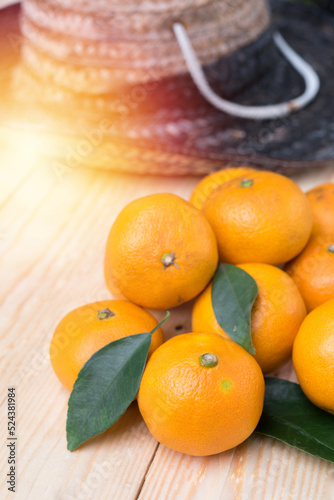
(201, 392)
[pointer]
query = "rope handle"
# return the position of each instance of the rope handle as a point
(311, 79)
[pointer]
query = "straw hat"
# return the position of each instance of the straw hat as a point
(119, 43)
(173, 86)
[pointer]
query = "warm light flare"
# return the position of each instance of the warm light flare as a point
(25, 155)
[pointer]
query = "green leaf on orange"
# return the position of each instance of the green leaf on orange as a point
(106, 386)
(233, 294)
(290, 417)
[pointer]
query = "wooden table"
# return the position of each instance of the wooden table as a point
(53, 231)
(53, 234)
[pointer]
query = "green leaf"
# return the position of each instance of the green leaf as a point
(290, 417)
(106, 386)
(233, 294)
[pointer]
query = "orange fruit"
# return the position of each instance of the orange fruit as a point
(210, 182)
(313, 271)
(264, 217)
(313, 356)
(161, 251)
(87, 329)
(201, 394)
(321, 199)
(277, 314)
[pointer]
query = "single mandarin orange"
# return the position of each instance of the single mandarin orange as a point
(210, 182)
(277, 314)
(201, 394)
(313, 271)
(87, 329)
(161, 251)
(313, 356)
(321, 199)
(263, 217)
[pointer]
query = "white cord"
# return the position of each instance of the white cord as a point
(312, 82)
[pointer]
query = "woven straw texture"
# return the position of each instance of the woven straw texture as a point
(165, 127)
(113, 47)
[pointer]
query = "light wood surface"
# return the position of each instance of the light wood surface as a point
(53, 234)
(52, 237)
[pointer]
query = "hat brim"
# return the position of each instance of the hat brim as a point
(158, 133)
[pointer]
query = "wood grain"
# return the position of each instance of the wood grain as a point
(54, 233)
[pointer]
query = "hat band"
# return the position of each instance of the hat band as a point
(311, 79)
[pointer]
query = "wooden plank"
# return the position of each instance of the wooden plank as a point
(51, 261)
(259, 469)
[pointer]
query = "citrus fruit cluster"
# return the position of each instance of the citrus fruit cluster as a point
(201, 392)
